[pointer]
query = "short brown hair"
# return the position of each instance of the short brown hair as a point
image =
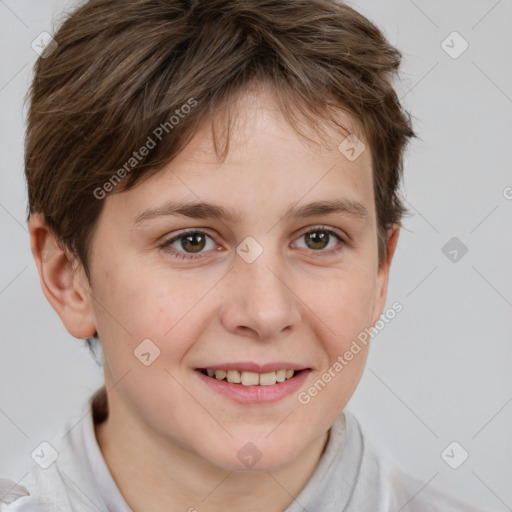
(122, 68)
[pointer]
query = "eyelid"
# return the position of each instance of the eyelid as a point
(321, 227)
(168, 240)
(298, 234)
(165, 244)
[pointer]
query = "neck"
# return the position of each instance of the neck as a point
(150, 470)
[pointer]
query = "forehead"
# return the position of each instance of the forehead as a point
(268, 163)
(256, 112)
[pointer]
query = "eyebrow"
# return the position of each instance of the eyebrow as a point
(205, 210)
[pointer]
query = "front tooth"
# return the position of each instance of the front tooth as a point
(289, 374)
(220, 374)
(233, 376)
(267, 379)
(281, 375)
(250, 378)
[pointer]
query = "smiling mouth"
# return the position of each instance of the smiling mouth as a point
(251, 378)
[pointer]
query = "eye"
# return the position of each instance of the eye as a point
(193, 243)
(319, 238)
(188, 244)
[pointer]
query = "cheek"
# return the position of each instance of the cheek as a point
(343, 302)
(147, 324)
(147, 303)
(134, 306)
(342, 308)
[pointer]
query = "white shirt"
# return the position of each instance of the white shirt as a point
(351, 477)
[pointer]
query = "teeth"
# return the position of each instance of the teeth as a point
(233, 376)
(267, 379)
(251, 378)
(220, 374)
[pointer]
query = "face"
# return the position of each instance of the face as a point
(269, 285)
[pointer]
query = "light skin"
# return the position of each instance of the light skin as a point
(169, 439)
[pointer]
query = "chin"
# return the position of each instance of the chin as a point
(263, 465)
(254, 456)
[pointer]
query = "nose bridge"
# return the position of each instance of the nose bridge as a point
(259, 298)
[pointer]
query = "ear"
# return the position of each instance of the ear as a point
(63, 281)
(383, 274)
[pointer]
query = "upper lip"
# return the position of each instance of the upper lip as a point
(255, 367)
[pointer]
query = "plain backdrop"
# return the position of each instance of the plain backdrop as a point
(441, 370)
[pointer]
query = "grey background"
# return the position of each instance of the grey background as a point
(441, 370)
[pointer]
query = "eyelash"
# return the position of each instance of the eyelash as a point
(165, 245)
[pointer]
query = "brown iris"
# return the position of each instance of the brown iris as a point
(318, 239)
(193, 242)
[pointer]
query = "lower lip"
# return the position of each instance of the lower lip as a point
(255, 394)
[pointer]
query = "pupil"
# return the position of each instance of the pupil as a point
(319, 239)
(193, 246)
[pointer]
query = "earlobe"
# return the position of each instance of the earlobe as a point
(383, 274)
(66, 288)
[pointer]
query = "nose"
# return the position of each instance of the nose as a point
(260, 301)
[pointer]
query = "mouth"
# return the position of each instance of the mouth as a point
(248, 387)
(247, 378)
